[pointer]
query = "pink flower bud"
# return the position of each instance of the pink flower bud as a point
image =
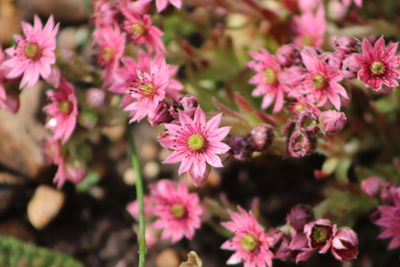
(333, 60)
(332, 121)
(350, 67)
(346, 44)
(345, 245)
(299, 216)
(160, 115)
(319, 234)
(261, 137)
(288, 55)
(307, 122)
(95, 97)
(241, 148)
(372, 186)
(301, 144)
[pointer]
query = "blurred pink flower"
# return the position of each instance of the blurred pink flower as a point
(111, 44)
(250, 242)
(149, 82)
(357, 2)
(379, 64)
(267, 79)
(321, 81)
(162, 4)
(195, 143)
(178, 211)
(140, 29)
(372, 186)
(62, 112)
(319, 234)
(389, 220)
(104, 13)
(34, 54)
(310, 28)
(345, 245)
(308, 5)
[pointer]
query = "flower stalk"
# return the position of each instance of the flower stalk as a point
(139, 195)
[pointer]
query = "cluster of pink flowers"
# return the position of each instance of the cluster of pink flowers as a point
(256, 248)
(387, 216)
(169, 209)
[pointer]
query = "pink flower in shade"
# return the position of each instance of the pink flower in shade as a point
(345, 245)
(378, 64)
(319, 234)
(111, 45)
(148, 85)
(357, 2)
(34, 54)
(321, 82)
(122, 77)
(310, 28)
(372, 186)
(195, 143)
(267, 79)
(140, 29)
(250, 242)
(178, 211)
(299, 248)
(389, 220)
(162, 4)
(62, 112)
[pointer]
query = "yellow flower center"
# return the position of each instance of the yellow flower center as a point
(307, 40)
(178, 211)
(147, 89)
(320, 234)
(377, 68)
(249, 242)
(270, 76)
(138, 29)
(65, 107)
(32, 50)
(319, 81)
(107, 54)
(196, 142)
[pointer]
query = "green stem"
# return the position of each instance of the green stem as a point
(139, 195)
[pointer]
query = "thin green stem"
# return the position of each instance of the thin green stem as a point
(139, 196)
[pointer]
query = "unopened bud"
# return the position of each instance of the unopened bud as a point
(299, 216)
(261, 137)
(332, 121)
(301, 144)
(346, 44)
(160, 115)
(241, 148)
(287, 55)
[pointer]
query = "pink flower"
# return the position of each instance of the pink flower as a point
(149, 82)
(140, 29)
(250, 242)
(195, 143)
(105, 13)
(321, 81)
(162, 4)
(332, 121)
(378, 64)
(122, 78)
(34, 54)
(267, 79)
(111, 45)
(345, 245)
(319, 234)
(62, 112)
(178, 211)
(372, 186)
(308, 5)
(389, 220)
(310, 28)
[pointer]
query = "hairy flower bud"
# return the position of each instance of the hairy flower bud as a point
(288, 55)
(301, 144)
(345, 245)
(332, 121)
(350, 67)
(346, 44)
(299, 216)
(261, 137)
(241, 148)
(372, 186)
(160, 115)
(308, 122)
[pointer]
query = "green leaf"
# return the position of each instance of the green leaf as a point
(15, 253)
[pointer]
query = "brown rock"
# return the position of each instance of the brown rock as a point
(44, 206)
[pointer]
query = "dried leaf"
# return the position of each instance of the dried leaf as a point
(192, 261)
